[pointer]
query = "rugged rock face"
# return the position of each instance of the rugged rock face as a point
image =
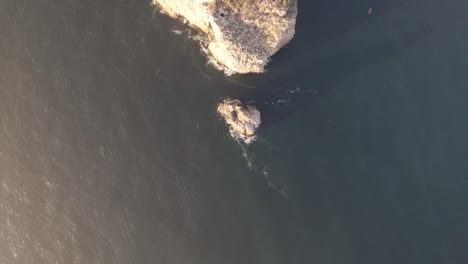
(242, 33)
(243, 120)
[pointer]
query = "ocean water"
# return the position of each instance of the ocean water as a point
(111, 150)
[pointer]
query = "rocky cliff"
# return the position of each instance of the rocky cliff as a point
(242, 34)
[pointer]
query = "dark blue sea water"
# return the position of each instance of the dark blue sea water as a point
(111, 150)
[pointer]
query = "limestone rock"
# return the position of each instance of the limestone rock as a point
(242, 33)
(243, 120)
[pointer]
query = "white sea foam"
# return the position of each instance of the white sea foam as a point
(247, 157)
(295, 90)
(177, 32)
(251, 164)
(213, 62)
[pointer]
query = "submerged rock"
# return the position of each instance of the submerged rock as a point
(242, 34)
(243, 120)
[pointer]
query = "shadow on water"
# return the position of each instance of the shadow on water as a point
(322, 53)
(319, 21)
(299, 90)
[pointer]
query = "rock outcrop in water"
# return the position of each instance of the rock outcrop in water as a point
(243, 120)
(242, 34)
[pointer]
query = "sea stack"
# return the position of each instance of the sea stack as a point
(242, 34)
(243, 120)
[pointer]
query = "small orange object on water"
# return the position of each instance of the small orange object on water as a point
(369, 11)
